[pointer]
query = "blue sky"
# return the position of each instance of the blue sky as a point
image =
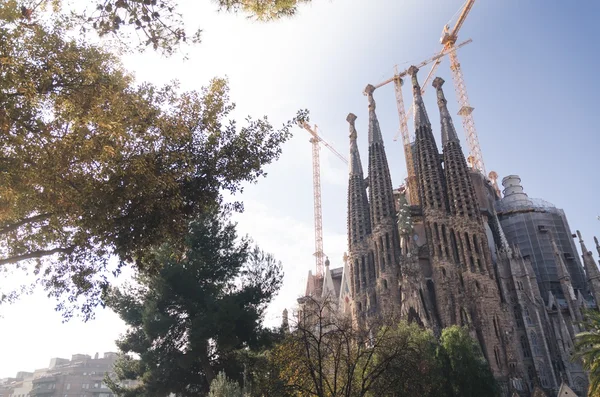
(530, 74)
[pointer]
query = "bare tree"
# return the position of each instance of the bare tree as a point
(327, 355)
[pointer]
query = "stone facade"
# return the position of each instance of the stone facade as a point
(446, 260)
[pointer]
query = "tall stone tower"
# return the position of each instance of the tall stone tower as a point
(434, 205)
(360, 255)
(385, 240)
(591, 270)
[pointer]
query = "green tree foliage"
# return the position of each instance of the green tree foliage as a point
(587, 349)
(157, 24)
(189, 318)
(222, 386)
(465, 371)
(94, 165)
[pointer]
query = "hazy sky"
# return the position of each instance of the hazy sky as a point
(530, 74)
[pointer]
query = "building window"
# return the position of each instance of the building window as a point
(497, 356)
(527, 316)
(68, 386)
(495, 321)
(535, 344)
(524, 347)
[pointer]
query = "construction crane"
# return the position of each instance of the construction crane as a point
(448, 40)
(316, 140)
(413, 196)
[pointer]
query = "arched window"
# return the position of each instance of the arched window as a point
(363, 271)
(464, 317)
(385, 286)
(443, 272)
(467, 242)
(518, 318)
(359, 306)
(475, 245)
(527, 316)
(495, 321)
(356, 276)
(497, 356)
(543, 374)
(535, 345)
(524, 347)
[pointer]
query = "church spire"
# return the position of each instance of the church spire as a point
(448, 130)
(461, 194)
(421, 118)
(374, 129)
(381, 194)
(565, 281)
(591, 269)
(428, 163)
(597, 244)
(359, 222)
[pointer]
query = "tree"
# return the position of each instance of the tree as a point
(222, 386)
(155, 23)
(466, 373)
(587, 349)
(188, 319)
(326, 356)
(93, 165)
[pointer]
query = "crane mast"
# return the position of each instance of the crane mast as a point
(317, 206)
(316, 140)
(466, 110)
(413, 192)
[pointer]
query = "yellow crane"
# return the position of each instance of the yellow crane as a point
(413, 194)
(448, 40)
(316, 141)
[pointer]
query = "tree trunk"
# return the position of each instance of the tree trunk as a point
(206, 367)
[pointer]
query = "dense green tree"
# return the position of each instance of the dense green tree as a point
(465, 372)
(190, 317)
(413, 369)
(157, 24)
(93, 164)
(587, 349)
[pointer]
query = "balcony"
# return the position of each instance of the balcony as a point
(42, 391)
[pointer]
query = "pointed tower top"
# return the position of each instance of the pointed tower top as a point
(562, 269)
(374, 130)
(503, 240)
(597, 244)
(419, 107)
(448, 130)
(355, 168)
(589, 264)
(351, 118)
(584, 249)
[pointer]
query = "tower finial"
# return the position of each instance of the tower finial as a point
(374, 130)
(505, 246)
(584, 249)
(597, 244)
(419, 108)
(448, 130)
(355, 166)
(351, 118)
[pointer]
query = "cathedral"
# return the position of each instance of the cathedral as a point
(442, 257)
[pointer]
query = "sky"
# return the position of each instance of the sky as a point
(530, 73)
